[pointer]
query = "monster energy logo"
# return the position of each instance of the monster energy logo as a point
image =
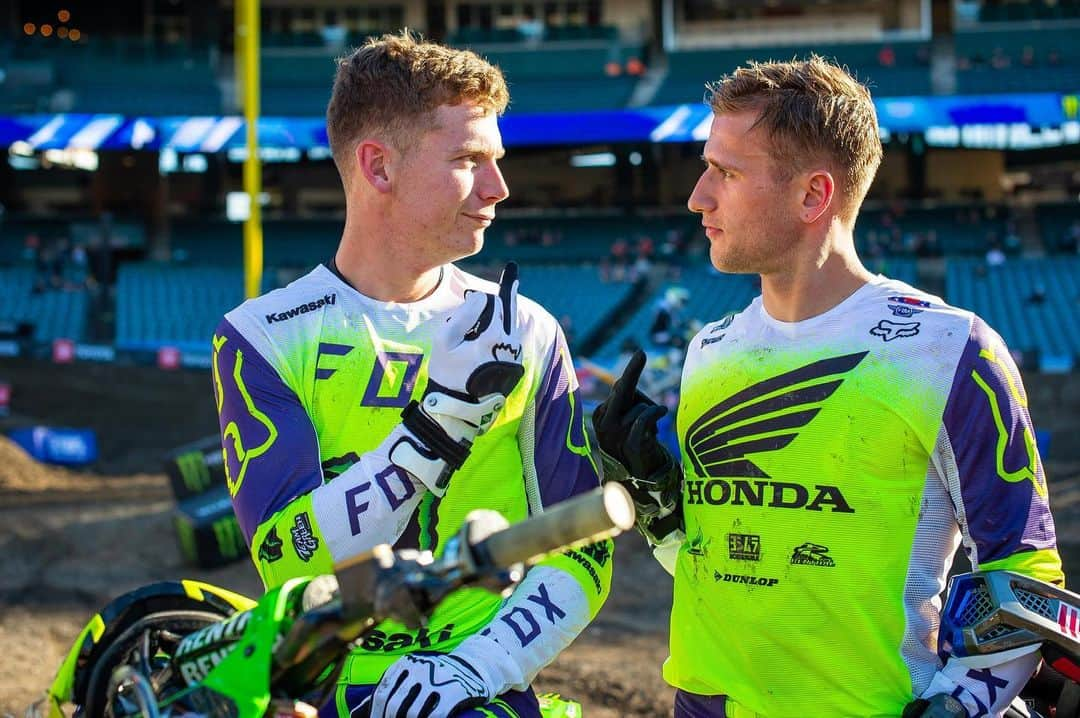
(186, 534)
(227, 534)
(193, 471)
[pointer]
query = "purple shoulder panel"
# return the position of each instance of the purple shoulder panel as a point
(1002, 483)
(561, 453)
(271, 450)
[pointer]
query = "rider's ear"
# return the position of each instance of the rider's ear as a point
(373, 163)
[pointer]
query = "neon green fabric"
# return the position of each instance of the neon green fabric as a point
(319, 358)
(825, 495)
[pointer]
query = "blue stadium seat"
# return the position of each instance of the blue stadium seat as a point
(712, 295)
(1005, 296)
(689, 70)
(165, 305)
(54, 313)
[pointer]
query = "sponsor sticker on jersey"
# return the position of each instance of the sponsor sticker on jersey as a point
(299, 309)
(424, 638)
(811, 554)
(1069, 620)
(744, 547)
(791, 399)
(270, 549)
(771, 494)
(910, 301)
(747, 579)
(889, 330)
(303, 539)
(599, 552)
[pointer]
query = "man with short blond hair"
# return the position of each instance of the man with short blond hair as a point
(388, 393)
(840, 437)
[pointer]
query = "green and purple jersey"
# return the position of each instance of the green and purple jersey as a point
(310, 379)
(832, 468)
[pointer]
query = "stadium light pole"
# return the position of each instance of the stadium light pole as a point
(247, 55)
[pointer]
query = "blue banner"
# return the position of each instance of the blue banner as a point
(678, 123)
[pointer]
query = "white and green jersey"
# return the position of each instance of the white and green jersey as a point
(832, 468)
(310, 379)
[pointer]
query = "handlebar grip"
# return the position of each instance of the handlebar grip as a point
(604, 512)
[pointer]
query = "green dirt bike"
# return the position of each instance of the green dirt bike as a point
(189, 648)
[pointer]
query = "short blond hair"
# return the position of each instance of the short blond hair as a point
(393, 84)
(812, 110)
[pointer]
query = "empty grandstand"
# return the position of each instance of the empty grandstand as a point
(123, 149)
(1032, 303)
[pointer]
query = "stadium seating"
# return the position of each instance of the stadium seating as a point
(135, 78)
(575, 296)
(286, 243)
(1039, 59)
(1027, 11)
(931, 231)
(546, 78)
(552, 33)
(297, 84)
(550, 78)
(586, 238)
(54, 313)
(1032, 303)
(712, 295)
(166, 305)
(1056, 223)
(15, 230)
(689, 70)
(25, 85)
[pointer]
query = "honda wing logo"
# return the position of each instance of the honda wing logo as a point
(761, 418)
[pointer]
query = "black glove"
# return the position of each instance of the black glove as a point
(939, 706)
(625, 426)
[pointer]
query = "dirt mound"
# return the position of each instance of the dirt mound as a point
(24, 480)
(72, 540)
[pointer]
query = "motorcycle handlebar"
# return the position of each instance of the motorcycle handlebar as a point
(599, 514)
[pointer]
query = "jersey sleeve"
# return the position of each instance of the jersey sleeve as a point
(294, 522)
(987, 453)
(564, 467)
(270, 448)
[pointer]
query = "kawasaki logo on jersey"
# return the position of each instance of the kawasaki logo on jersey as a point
(301, 309)
(376, 640)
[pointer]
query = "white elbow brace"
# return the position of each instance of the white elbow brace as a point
(441, 431)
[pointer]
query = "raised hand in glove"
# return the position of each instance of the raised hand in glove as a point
(475, 363)
(625, 426)
(428, 686)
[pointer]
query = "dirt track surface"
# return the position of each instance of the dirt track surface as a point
(70, 541)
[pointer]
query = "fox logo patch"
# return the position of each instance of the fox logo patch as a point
(889, 330)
